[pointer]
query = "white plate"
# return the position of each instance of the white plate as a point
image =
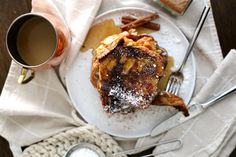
(86, 99)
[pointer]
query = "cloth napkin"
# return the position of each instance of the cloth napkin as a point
(41, 108)
(214, 130)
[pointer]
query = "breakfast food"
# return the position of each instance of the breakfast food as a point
(126, 69)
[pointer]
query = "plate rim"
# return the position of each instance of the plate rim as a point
(177, 28)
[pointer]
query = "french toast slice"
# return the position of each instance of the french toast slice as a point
(126, 69)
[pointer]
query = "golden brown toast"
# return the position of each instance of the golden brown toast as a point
(126, 69)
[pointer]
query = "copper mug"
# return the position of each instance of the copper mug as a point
(36, 42)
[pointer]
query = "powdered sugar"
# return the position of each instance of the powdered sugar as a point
(84, 152)
(126, 96)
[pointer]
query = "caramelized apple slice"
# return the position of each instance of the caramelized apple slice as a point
(167, 99)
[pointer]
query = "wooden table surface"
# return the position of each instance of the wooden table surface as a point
(224, 14)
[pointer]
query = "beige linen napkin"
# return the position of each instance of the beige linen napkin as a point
(209, 133)
(34, 111)
(41, 108)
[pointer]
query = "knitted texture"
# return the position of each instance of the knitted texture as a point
(57, 145)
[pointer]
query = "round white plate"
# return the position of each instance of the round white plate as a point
(86, 99)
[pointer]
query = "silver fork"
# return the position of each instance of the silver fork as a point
(176, 78)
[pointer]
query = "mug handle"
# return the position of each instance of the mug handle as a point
(22, 79)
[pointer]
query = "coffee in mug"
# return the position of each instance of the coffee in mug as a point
(36, 42)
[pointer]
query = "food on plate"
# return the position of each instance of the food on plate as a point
(164, 98)
(108, 27)
(126, 69)
(102, 30)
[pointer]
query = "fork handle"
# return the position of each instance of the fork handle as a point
(195, 35)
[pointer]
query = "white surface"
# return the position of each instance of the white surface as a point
(87, 101)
